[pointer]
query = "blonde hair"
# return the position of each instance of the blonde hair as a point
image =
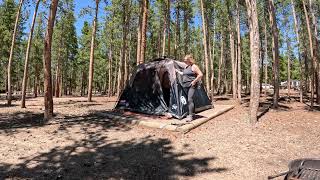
(189, 58)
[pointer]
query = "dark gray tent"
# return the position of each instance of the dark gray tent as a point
(155, 88)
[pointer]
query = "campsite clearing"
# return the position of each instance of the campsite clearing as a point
(83, 143)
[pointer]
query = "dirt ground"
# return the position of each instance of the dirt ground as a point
(80, 143)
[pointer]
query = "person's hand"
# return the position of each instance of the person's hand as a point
(179, 72)
(193, 83)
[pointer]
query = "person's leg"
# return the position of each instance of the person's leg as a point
(190, 101)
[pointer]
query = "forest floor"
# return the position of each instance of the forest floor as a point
(80, 143)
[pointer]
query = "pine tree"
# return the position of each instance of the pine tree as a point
(48, 101)
(9, 98)
(93, 37)
(25, 75)
(254, 55)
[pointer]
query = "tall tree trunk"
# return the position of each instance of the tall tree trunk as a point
(58, 83)
(26, 63)
(186, 28)
(296, 29)
(289, 67)
(126, 19)
(275, 52)
(110, 73)
(48, 101)
(316, 47)
(221, 61)
(93, 37)
(177, 32)
(166, 29)
(233, 62)
(205, 44)
(254, 55)
(232, 53)
(211, 64)
(11, 53)
(144, 30)
(139, 32)
(311, 52)
(238, 52)
(266, 58)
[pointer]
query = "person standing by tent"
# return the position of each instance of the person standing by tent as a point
(191, 76)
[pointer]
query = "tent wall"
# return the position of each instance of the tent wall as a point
(144, 91)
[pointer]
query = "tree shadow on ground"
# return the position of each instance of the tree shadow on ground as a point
(98, 158)
(10, 123)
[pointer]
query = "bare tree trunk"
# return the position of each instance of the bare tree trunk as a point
(254, 54)
(110, 73)
(316, 55)
(186, 30)
(311, 52)
(238, 52)
(177, 32)
(159, 40)
(11, 53)
(26, 64)
(220, 62)
(93, 38)
(58, 83)
(211, 64)
(126, 19)
(144, 30)
(275, 52)
(233, 62)
(289, 67)
(205, 45)
(296, 28)
(36, 84)
(139, 32)
(48, 101)
(164, 32)
(265, 57)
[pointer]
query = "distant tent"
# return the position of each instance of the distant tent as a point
(155, 88)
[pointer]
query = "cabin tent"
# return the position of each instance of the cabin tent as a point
(155, 88)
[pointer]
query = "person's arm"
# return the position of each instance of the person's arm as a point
(196, 69)
(179, 72)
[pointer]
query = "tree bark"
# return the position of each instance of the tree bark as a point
(221, 61)
(186, 27)
(144, 30)
(205, 44)
(58, 86)
(238, 53)
(26, 64)
(93, 37)
(9, 98)
(316, 55)
(254, 54)
(289, 67)
(211, 65)
(266, 58)
(275, 52)
(233, 62)
(177, 32)
(164, 33)
(139, 32)
(126, 19)
(48, 101)
(296, 29)
(311, 52)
